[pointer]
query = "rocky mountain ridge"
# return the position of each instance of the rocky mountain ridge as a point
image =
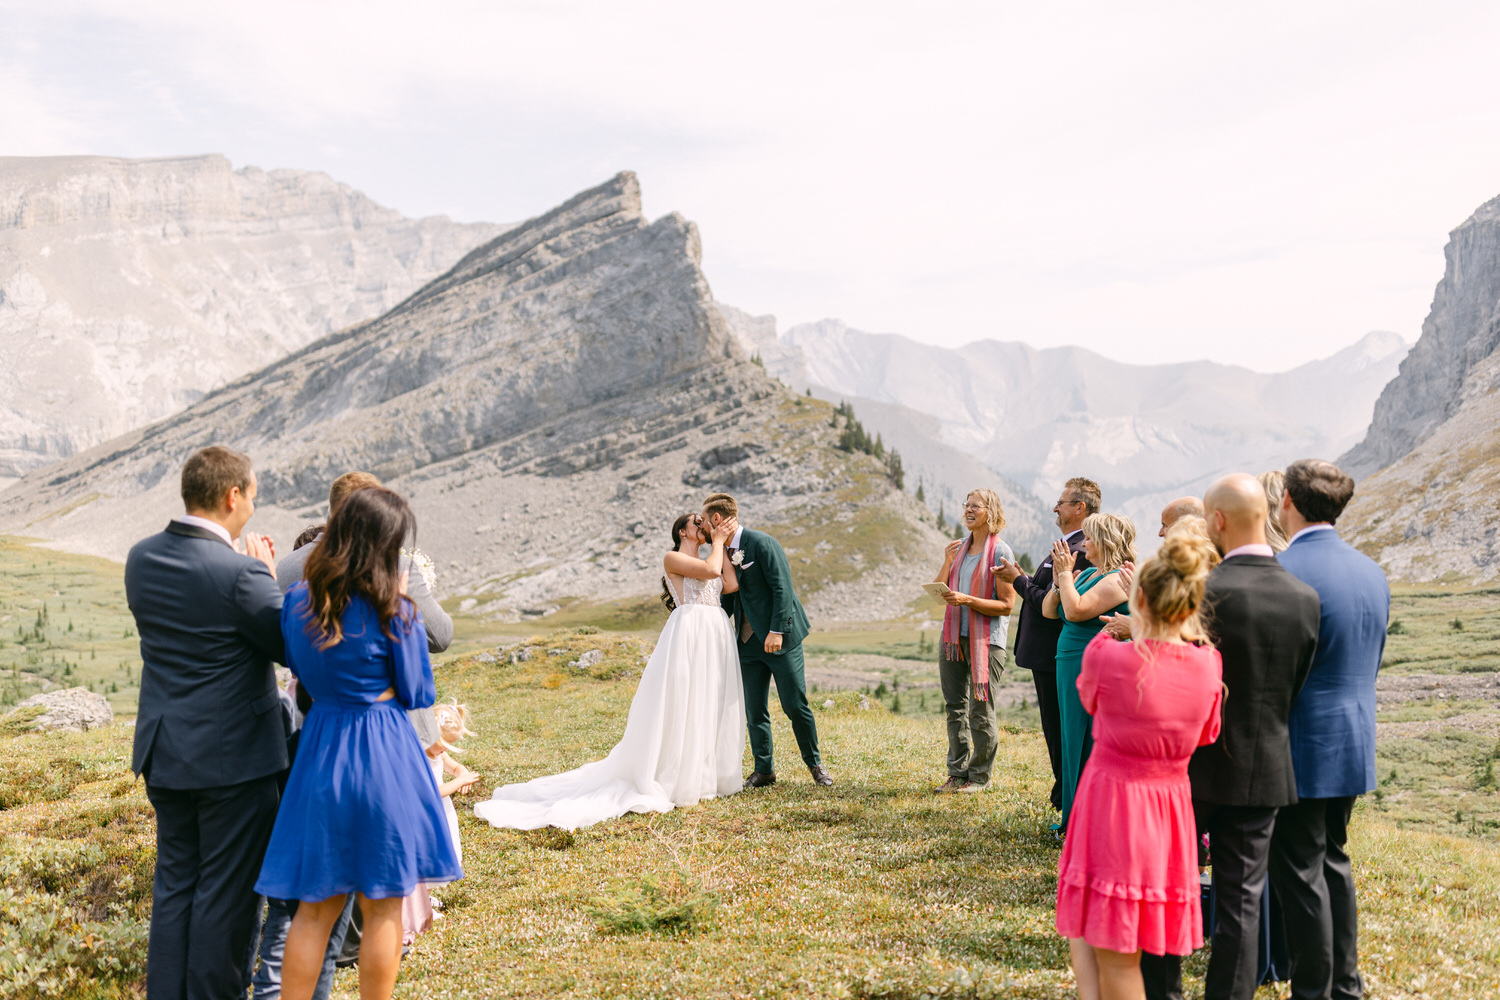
(130, 288)
(1430, 465)
(1147, 433)
(549, 404)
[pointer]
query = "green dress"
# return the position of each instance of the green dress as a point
(1076, 722)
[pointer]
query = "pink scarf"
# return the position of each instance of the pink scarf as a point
(982, 585)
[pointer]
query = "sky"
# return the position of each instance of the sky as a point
(1259, 184)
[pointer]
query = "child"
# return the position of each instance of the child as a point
(451, 719)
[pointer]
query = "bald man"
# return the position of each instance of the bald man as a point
(1177, 510)
(1264, 623)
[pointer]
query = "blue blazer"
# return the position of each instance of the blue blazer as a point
(210, 625)
(1332, 724)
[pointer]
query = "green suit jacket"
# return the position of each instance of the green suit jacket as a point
(766, 597)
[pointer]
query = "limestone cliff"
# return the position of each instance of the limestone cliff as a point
(1460, 333)
(1425, 507)
(550, 404)
(130, 288)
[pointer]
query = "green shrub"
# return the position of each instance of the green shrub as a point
(24, 783)
(679, 907)
(46, 950)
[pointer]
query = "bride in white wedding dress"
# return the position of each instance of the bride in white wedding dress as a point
(685, 737)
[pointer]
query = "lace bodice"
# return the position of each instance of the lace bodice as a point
(698, 591)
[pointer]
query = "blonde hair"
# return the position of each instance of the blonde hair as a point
(994, 511)
(452, 721)
(1169, 586)
(347, 484)
(1114, 540)
(1274, 483)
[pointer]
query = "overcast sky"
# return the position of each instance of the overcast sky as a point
(1256, 183)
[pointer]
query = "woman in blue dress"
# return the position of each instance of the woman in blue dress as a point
(1108, 544)
(361, 812)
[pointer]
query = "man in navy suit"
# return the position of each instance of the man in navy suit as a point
(1332, 728)
(209, 739)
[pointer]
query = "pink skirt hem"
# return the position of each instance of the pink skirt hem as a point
(1128, 925)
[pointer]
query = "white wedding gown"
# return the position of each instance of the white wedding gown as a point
(684, 740)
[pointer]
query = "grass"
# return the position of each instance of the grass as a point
(873, 888)
(1443, 631)
(63, 622)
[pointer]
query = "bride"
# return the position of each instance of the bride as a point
(685, 737)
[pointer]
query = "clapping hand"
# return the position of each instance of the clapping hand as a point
(261, 547)
(1062, 558)
(466, 779)
(1118, 626)
(1007, 571)
(1127, 575)
(405, 581)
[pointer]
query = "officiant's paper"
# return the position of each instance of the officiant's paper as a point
(936, 591)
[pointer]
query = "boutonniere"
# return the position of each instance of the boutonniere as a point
(738, 559)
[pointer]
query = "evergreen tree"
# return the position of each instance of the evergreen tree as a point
(1024, 561)
(921, 493)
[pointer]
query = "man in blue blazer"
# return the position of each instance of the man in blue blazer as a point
(1332, 729)
(209, 739)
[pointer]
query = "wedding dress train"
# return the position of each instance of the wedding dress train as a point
(684, 739)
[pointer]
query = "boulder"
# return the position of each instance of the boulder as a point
(72, 710)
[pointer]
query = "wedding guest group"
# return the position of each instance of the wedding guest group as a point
(975, 625)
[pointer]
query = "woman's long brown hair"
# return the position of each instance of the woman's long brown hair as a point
(360, 555)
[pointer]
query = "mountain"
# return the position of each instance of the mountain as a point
(549, 404)
(130, 288)
(1430, 464)
(1146, 433)
(945, 473)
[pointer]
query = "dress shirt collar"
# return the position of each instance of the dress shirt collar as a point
(1077, 533)
(206, 525)
(1309, 530)
(734, 542)
(1253, 549)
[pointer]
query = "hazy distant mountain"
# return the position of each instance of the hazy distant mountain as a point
(1427, 508)
(130, 288)
(1147, 433)
(549, 404)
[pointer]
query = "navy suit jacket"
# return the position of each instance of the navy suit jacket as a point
(1332, 724)
(210, 625)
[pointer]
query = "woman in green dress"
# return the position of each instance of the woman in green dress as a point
(1108, 544)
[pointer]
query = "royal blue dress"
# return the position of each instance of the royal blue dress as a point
(361, 811)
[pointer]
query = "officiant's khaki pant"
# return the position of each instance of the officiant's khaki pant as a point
(972, 734)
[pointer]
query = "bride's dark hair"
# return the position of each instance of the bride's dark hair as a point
(666, 592)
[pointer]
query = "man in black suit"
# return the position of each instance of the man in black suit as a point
(1036, 634)
(209, 739)
(1265, 624)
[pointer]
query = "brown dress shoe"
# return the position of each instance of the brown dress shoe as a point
(820, 775)
(758, 780)
(949, 786)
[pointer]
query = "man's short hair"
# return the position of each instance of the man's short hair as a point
(347, 484)
(1319, 490)
(210, 474)
(1086, 490)
(722, 504)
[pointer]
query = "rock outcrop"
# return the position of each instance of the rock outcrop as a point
(1430, 465)
(72, 710)
(130, 288)
(1460, 334)
(549, 404)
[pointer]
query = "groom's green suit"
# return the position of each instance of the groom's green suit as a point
(767, 602)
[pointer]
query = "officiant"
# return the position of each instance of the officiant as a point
(975, 625)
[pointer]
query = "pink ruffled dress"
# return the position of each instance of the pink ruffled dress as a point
(1128, 876)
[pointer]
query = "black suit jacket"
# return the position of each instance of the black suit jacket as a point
(210, 625)
(1265, 624)
(1036, 634)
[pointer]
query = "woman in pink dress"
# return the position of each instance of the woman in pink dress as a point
(1128, 877)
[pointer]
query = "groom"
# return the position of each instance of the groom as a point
(770, 624)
